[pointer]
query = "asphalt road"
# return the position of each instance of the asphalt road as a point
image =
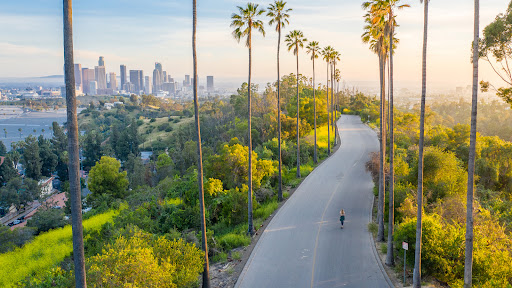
(303, 245)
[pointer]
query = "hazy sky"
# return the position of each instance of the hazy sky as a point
(139, 33)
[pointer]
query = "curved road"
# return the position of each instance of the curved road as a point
(303, 245)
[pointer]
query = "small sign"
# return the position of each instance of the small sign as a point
(405, 245)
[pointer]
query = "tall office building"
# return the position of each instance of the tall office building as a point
(137, 79)
(187, 80)
(158, 77)
(78, 77)
(113, 81)
(101, 77)
(88, 75)
(165, 77)
(209, 84)
(147, 85)
(93, 87)
(101, 62)
(123, 76)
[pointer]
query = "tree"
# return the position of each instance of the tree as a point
(164, 166)
(327, 55)
(417, 253)
(106, 182)
(468, 261)
(314, 49)
(48, 158)
(295, 40)
(244, 23)
(19, 192)
(279, 16)
(335, 59)
(31, 159)
(10, 240)
(496, 44)
(3, 149)
(19, 129)
(204, 238)
(91, 149)
(135, 171)
(7, 170)
(74, 159)
(47, 218)
(374, 34)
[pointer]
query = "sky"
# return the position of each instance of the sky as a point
(139, 33)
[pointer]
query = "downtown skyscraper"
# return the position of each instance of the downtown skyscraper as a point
(137, 79)
(123, 76)
(101, 75)
(158, 77)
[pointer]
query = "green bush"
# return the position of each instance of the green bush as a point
(231, 241)
(266, 209)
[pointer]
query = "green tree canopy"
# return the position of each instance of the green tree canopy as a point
(106, 182)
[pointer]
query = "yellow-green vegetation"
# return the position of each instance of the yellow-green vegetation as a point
(44, 252)
(145, 261)
(160, 128)
(321, 137)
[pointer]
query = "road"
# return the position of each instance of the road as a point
(303, 245)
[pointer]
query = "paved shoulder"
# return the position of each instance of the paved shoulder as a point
(303, 245)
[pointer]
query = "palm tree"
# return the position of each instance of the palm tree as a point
(382, 11)
(313, 49)
(327, 55)
(19, 129)
(74, 161)
(5, 132)
(468, 262)
(337, 77)
(295, 40)
(206, 273)
(279, 16)
(375, 35)
(335, 59)
(243, 24)
(417, 253)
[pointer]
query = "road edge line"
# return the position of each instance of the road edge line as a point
(374, 249)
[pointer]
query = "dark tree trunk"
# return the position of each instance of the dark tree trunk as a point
(298, 117)
(204, 246)
(249, 107)
(468, 261)
(417, 253)
(315, 157)
(74, 161)
(382, 176)
(328, 115)
(280, 178)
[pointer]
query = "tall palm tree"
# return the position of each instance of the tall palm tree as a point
(5, 132)
(74, 161)
(335, 59)
(375, 35)
(206, 272)
(337, 77)
(279, 16)
(295, 40)
(468, 262)
(383, 11)
(327, 55)
(244, 23)
(416, 279)
(19, 129)
(314, 49)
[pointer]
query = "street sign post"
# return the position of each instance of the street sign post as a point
(405, 246)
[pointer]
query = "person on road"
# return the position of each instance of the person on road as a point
(342, 217)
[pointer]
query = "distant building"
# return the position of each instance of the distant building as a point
(93, 88)
(129, 87)
(78, 76)
(101, 77)
(169, 87)
(147, 85)
(209, 84)
(187, 81)
(30, 95)
(137, 79)
(113, 81)
(46, 186)
(101, 61)
(158, 77)
(88, 75)
(108, 106)
(123, 76)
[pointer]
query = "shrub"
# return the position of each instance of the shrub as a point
(231, 241)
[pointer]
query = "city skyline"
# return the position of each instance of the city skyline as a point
(36, 43)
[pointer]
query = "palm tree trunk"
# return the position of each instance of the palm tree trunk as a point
(280, 178)
(417, 253)
(390, 261)
(206, 273)
(328, 115)
(249, 192)
(382, 179)
(298, 138)
(74, 161)
(315, 159)
(468, 262)
(333, 73)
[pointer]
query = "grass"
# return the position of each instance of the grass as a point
(45, 251)
(266, 209)
(373, 228)
(155, 134)
(321, 137)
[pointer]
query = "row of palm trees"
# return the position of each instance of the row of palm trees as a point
(244, 23)
(380, 34)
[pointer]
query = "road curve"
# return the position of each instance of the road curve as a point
(303, 245)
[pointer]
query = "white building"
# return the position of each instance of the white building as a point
(46, 186)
